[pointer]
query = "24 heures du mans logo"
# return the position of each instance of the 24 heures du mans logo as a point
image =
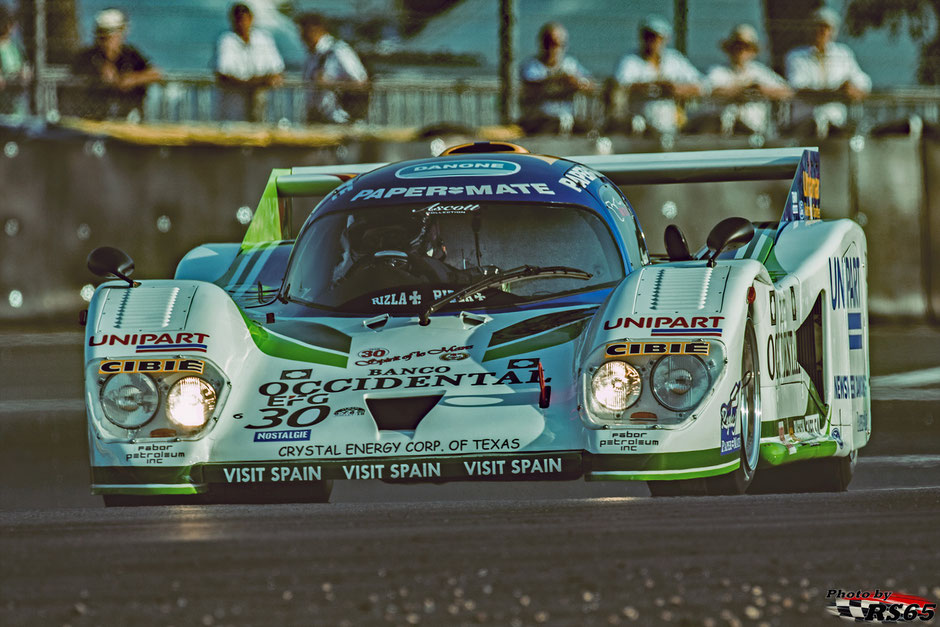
(879, 606)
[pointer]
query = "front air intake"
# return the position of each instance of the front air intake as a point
(401, 414)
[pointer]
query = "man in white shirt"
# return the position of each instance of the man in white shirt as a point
(657, 79)
(746, 84)
(550, 81)
(337, 81)
(247, 63)
(825, 76)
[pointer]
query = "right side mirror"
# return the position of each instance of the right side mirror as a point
(728, 234)
(107, 261)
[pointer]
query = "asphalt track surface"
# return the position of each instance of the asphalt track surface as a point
(569, 553)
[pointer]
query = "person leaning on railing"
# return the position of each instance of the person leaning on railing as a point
(550, 81)
(116, 74)
(247, 63)
(337, 82)
(658, 79)
(826, 77)
(741, 91)
(14, 70)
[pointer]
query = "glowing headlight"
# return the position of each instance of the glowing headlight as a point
(680, 382)
(190, 403)
(129, 400)
(616, 385)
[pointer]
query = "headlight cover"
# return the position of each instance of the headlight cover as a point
(190, 403)
(129, 400)
(680, 382)
(616, 385)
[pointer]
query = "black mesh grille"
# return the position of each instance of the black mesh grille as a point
(401, 414)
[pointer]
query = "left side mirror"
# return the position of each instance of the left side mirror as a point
(728, 234)
(107, 261)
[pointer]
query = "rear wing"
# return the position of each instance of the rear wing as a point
(271, 219)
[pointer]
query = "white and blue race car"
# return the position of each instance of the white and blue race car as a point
(488, 314)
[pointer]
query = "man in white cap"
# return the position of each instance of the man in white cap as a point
(825, 76)
(117, 74)
(657, 78)
(745, 84)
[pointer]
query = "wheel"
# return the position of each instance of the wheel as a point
(831, 474)
(749, 412)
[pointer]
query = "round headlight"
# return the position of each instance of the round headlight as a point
(680, 382)
(190, 403)
(616, 385)
(129, 400)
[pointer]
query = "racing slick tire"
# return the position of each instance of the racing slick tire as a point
(749, 413)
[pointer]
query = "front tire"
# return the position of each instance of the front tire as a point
(749, 412)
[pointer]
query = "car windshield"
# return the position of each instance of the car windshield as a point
(401, 258)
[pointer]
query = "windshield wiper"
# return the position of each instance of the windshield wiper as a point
(516, 274)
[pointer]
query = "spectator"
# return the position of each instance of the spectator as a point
(825, 76)
(549, 82)
(14, 69)
(746, 84)
(337, 81)
(247, 63)
(117, 74)
(657, 78)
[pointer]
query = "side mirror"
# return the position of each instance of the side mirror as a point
(676, 247)
(728, 234)
(107, 261)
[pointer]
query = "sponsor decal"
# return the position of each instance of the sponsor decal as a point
(861, 422)
(524, 364)
(708, 326)
(154, 454)
(350, 411)
(436, 294)
(502, 189)
(811, 193)
(845, 283)
(879, 606)
(781, 355)
(376, 359)
(154, 342)
(438, 209)
(114, 366)
(614, 202)
(287, 471)
(773, 309)
(837, 436)
(730, 432)
(629, 441)
(453, 356)
(849, 386)
(282, 436)
(622, 349)
(398, 298)
(578, 177)
(455, 168)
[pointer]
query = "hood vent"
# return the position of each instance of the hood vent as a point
(401, 414)
(147, 308)
(682, 289)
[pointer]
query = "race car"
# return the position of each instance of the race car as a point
(487, 314)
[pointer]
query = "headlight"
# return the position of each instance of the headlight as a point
(190, 403)
(680, 382)
(616, 385)
(129, 400)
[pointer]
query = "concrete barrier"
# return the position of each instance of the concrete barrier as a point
(63, 193)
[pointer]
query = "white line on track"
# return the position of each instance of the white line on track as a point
(904, 394)
(59, 338)
(906, 461)
(42, 406)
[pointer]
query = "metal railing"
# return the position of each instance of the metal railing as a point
(417, 103)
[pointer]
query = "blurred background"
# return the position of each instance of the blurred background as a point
(172, 171)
